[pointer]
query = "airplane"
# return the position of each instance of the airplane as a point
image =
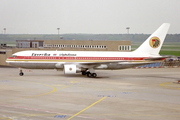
(86, 62)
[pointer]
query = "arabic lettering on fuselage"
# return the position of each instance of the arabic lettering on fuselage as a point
(46, 54)
(69, 54)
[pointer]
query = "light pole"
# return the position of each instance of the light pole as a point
(58, 32)
(128, 32)
(5, 46)
(4, 30)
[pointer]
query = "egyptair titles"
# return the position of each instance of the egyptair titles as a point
(46, 54)
(42, 54)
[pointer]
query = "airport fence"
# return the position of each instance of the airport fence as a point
(168, 63)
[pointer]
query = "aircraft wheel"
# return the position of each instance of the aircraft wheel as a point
(94, 75)
(84, 73)
(89, 74)
(21, 73)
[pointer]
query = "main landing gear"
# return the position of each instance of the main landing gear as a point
(89, 74)
(21, 73)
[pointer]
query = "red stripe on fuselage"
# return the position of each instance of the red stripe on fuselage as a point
(73, 58)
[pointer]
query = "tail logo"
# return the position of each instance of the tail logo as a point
(154, 42)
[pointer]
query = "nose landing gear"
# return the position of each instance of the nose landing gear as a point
(21, 73)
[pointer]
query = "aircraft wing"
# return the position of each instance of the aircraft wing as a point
(95, 64)
(124, 64)
(157, 58)
(98, 63)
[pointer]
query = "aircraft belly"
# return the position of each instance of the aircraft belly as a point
(34, 65)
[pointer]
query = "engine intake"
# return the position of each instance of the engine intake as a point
(71, 69)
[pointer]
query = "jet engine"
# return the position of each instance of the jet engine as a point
(71, 69)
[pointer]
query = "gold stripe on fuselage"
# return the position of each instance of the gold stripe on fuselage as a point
(51, 60)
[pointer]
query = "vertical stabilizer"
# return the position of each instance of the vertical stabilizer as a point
(153, 44)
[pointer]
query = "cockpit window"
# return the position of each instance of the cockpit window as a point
(14, 56)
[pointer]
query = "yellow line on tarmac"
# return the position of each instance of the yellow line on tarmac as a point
(65, 87)
(3, 118)
(86, 108)
(43, 93)
(170, 85)
(54, 89)
(48, 92)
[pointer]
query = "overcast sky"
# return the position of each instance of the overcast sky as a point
(88, 16)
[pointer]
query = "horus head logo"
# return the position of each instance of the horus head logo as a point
(70, 69)
(154, 42)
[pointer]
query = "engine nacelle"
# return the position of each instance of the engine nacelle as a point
(71, 69)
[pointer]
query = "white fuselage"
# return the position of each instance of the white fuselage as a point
(56, 59)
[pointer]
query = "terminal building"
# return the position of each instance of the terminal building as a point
(64, 45)
(76, 45)
(29, 43)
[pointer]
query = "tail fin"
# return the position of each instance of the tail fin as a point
(153, 44)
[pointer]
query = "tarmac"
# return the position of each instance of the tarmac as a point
(130, 94)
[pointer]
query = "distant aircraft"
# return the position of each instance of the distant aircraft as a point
(87, 62)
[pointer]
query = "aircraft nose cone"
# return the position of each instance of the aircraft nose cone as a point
(7, 60)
